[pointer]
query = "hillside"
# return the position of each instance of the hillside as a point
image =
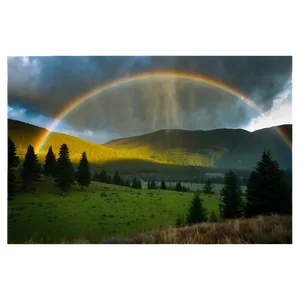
(168, 154)
(220, 148)
(24, 134)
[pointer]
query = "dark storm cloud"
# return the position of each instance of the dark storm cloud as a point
(47, 84)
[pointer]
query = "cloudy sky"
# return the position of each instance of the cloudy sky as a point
(39, 88)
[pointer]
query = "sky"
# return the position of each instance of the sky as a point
(39, 88)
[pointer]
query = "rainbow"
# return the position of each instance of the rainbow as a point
(129, 79)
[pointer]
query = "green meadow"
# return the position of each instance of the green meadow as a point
(193, 187)
(97, 213)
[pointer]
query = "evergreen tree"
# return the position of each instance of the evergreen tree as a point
(83, 174)
(108, 179)
(214, 217)
(149, 185)
(96, 176)
(103, 176)
(65, 173)
(139, 184)
(50, 163)
(134, 183)
(208, 187)
(267, 191)
(153, 185)
(197, 213)
(13, 161)
(231, 205)
(117, 180)
(163, 185)
(178, 187)
(31, 168)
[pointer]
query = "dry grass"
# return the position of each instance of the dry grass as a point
(260, 230)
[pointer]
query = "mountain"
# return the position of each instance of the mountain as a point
(24, 134)
(168, 154)
(219, 148)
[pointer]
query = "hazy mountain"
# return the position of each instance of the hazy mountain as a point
(221, 148)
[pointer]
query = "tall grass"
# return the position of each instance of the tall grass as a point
(273, 229)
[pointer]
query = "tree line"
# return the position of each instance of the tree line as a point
(61, 169)
(267, 193)
(116, 179)
(267, 189)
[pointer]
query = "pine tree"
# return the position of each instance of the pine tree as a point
(267, 191)
(139, 184)
(103, 176)
(13, 161)
(108, 179)
(50, 163)
(83, 174)
(95, 176)
(65, 173)
(31, 168)
(153, 185)
(214, 217)
(178, 187)
(117, 180)
(231, 205)
(197, 213)
(134, 183)
(208, 187)
(149, 185)
(163, 185)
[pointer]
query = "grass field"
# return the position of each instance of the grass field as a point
(99, 212)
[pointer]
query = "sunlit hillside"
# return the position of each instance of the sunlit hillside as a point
(24, 134)
(220, 148)
(162, 152)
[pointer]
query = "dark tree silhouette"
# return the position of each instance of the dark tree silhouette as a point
(117, 180)
(65, 173)
(153, 185)
(136, 184)
(109, 179)
(231, 205)
(83, 175)
(197, 213)
(163, 185)
(178, 187)
(208, 187)
(96, 176)
(103, 176)
(149, 185)
(139, 184)
(50, 164)
(267, 191)
(13, 161)
(31, 168)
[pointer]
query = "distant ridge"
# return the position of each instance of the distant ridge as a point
(218, 148)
